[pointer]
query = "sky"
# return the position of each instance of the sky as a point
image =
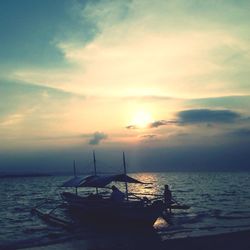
(165, 82)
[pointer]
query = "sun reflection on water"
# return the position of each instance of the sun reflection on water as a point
(149, 188)
(160, 224)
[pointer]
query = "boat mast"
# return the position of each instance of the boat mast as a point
(74, 169)
(95, 168)
(125, 172)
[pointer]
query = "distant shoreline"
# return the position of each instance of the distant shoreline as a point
(24, 175)
(16, 175)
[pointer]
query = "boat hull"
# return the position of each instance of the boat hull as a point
(126, 212)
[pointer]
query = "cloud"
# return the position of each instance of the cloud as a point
(12, 119)
(154, 124)
(208, 116)
(149, 137)
(150, 98)
(226, 101)
(178, 52)
(104, 14)
(131, 127)
(97, 138)
(159, 123)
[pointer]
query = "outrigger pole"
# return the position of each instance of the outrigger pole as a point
(95, 168)
(74, 167)
(125, 172)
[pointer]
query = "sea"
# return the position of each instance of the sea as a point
(219, 203)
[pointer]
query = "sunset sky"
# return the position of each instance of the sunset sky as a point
(165, 81)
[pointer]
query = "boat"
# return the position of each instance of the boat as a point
(99, 207)
(133, 209)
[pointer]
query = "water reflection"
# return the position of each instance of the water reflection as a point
(161, 224)
(152, 186)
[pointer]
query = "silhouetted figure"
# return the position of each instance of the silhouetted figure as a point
(116, 194)
(167, 197)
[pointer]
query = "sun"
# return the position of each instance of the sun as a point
(142, 119)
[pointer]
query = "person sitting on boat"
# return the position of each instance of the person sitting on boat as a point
(116, 194)
(167, 197)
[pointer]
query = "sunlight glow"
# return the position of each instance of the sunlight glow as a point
(142, 119)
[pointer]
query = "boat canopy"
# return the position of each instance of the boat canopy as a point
(99, 181)
(74, 182)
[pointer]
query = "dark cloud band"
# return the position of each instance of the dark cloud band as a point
(207, 116)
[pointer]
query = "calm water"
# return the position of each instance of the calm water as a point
(220, 202)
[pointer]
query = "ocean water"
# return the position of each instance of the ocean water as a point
(220, 202)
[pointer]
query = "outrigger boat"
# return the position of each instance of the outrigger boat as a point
(135, 208)
(98, 207)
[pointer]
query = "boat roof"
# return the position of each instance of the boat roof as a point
(73, 182)
(99, 181)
